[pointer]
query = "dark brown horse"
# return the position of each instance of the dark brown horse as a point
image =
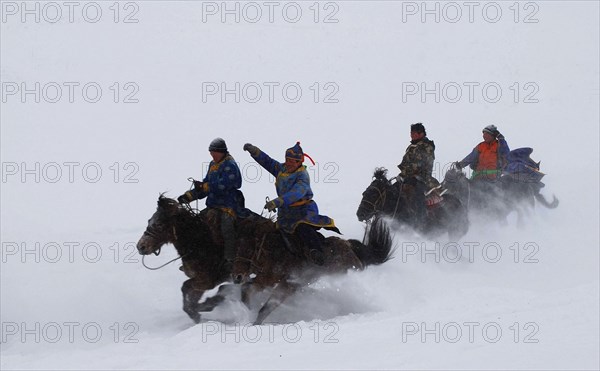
(384, 198)
(269, 259)
(202, 258)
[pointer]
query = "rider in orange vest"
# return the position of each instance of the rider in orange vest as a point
(488, 158)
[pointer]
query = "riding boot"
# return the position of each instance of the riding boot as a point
(229, 240)
(311, 238)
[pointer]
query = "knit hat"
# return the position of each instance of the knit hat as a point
(491, 130)
(218, 145)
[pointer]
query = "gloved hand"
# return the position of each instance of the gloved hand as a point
(198, 185)
(253, 150)
(271, 205)
(185, 198)
(458, 165)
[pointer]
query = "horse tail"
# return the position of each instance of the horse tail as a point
(550, 205)
(378, 248)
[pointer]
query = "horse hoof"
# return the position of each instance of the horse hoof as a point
(195, 317)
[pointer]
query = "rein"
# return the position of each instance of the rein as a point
(368, 223)
(161, 266)
(255, 256)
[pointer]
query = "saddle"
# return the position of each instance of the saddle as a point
(434, 196)
(298, 247)
(433, 200)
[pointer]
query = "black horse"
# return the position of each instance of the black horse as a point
(202, 258)
(382, 197)
(497, 198)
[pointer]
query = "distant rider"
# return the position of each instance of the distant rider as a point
(489, 157)
(415, 171)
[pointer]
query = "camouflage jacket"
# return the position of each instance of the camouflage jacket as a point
(418, 162)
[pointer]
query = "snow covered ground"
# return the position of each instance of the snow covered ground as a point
(107, 104)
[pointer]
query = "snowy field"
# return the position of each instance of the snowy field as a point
(106, 104)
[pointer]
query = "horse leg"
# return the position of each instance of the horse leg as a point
(283, 290)
(191, 296)
(248, 290)
(211, 303)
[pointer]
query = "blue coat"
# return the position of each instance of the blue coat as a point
(221, 186)
(522, 168)
(294, 202)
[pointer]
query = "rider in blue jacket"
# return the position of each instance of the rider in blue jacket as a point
(297, 212)
(224, 200)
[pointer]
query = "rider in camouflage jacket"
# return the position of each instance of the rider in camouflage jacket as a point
(415, 172)
(417, 163)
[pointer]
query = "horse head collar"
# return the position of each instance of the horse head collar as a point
(374, 196)
(161, 227)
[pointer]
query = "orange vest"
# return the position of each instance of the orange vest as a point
(488, 156)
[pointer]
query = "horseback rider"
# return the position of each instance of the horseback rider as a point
(224, 200)
(297, 212)
(415, 171)
(489, 157)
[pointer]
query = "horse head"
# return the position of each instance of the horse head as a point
(455, 180)
(373, 198)
(161, 227)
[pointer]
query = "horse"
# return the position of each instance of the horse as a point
(447, 215)
(272, 260)
(498, 197)
(484, 195)
(190, 233)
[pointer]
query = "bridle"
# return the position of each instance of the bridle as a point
(378, 202)
(154, 231)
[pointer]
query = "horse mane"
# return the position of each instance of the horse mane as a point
(380, 240)
(380, 173)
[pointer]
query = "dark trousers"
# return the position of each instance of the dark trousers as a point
(222, 224)
(415, 196)
(309, 235)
